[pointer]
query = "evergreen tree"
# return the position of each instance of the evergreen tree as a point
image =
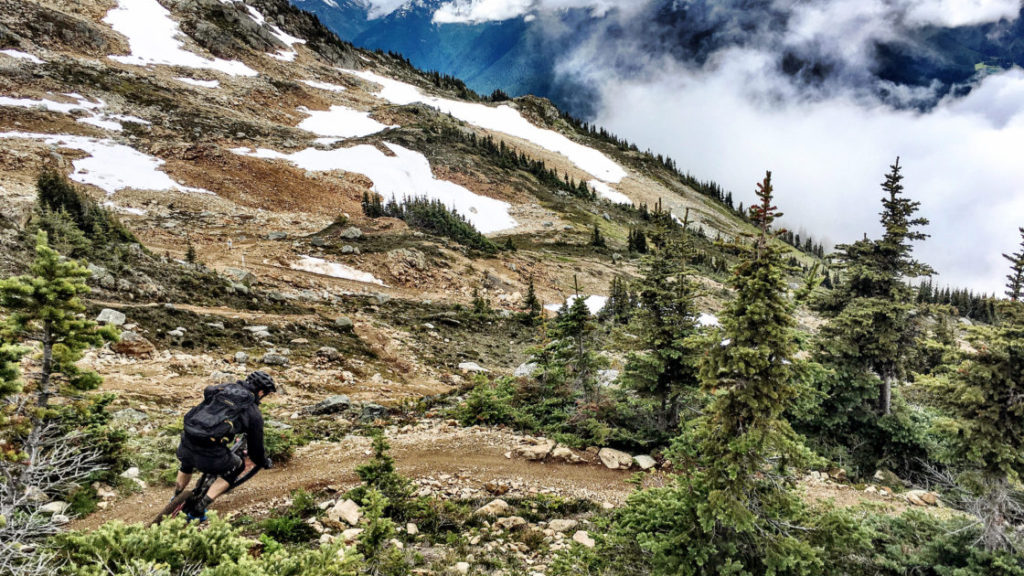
(620, 305)
(570, 359)
(872, 329)
(1015, 279)
(44, 308)
(732, 511)
(985, 431)
(666, 371)
(637, 241)
(190, 253)
(532, 304)
(596, 239)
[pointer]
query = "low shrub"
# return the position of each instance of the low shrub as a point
(177, 547)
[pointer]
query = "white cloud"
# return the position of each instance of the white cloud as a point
(476, 11)
(961, 161)
(961, 12)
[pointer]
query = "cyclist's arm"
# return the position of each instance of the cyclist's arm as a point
(257, 452)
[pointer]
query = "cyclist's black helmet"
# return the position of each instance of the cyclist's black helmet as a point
(261, 381)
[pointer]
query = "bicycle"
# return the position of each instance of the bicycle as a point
(195, 495)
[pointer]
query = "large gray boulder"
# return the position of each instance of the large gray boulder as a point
(111, 317)
(615, 459)
(331, 405)
(274, 359)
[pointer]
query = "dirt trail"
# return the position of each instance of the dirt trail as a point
(470, 456)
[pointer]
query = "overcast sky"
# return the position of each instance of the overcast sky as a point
(829, 145)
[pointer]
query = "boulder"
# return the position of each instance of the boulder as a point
(347, 249)
(347, 511)
(535, 450)
(462, 567)
(607, 378)
(218, 326)
(55, 507)
(273, 359)
(510, 523)
(351, 535)
(134, 345)
(111, 317)
(331, 405)
(344, 323)
(412, 529)
(241, 357)
(472, 367)
(177, 335)
(131, 473)
(351, 233)
(583, 538)
(644, 461)
(240, 276)
(921, 498)
(615, 459)
(526, 369)
(561, 525)
(373, 412)
(129, 415)
(565, 454)
(329, 354)
(277, 236)
(497, 507)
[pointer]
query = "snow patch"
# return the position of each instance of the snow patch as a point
(708, 320)
(200, 83)
(405, 174)
(152, 36)
(324, 86)
(22, 56)
(110, 166)
(282, 36)
(605, 191)
(340, 122)
(501, 119)
(124, 209)
(334, 270)
(52, 105)
(594, 303)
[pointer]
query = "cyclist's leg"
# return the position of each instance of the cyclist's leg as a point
(225, 480)
(185, 470)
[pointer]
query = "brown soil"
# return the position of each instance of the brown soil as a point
(475, 455)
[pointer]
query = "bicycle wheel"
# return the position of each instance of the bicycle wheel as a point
(173, 507)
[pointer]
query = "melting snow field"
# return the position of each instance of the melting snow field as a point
(282, 36)
(101, 120)
(152, 35)
(594, 303)
(501, 119)
(200, 83)
(324, 86)
(340, 122)
(21, 55)
(609, 193)
(110, 166)
(335, 270)
(406, 174)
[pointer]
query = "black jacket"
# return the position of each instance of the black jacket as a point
(251, 423)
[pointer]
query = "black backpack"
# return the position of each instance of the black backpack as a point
(219, 419)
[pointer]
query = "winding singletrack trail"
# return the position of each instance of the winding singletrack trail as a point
(472, 456)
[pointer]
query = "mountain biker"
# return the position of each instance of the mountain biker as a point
(236, 404)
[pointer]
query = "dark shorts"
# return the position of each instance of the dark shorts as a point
(217, 460)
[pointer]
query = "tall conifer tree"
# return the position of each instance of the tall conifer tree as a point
(1015, 279)
(871, 328)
